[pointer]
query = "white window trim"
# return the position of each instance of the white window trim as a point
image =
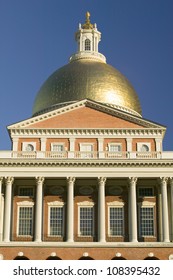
(115, 144)
(115, 204)
(57, 204)
(147, 204)
(86, 204)
(25, 144)
(57, 143)
(24, 204)
(140, 144)
(145, 187)
(86, 144)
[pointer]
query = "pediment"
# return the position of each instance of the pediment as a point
(85, 114)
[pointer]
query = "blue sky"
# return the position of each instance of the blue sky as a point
(37, 37)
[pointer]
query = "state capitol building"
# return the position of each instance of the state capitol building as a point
(86, 177)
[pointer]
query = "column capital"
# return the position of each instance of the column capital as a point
(163, 180)
(71, 180)
(9, 180)
(39, 180)
(133, 180)
(101, 180)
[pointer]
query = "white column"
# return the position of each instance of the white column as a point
(39, 209)
(8, 206)
(1, 211)
(129, 144)
(43, 144)
(165, 209)
(15, 144)
(100, 148)
(101, 209)
(133, 236)
(70, 209)
(171, 183)
(160, 226)
(72, 148)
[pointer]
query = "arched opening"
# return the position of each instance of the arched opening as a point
(85, 258)
(20, 258)
(87, 45)
(51, 258)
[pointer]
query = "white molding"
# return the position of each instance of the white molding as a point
(116, 204)
(56, 203)
(25, 203)
(85, 203)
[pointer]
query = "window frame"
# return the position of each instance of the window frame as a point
(53, 144)
(115, 144)
(141, 144)
(56, 204)
(87, 44)
(86, 204)
(26, 144)
(25, 187)
(25, 204)
(146, 187)
(149, 205)
(116, 204)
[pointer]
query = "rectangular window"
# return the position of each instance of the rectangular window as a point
(145, 191)
(114, 148)
(56, 221)
(116, 221)
(57, 147)
(86, 221)
(26, 191)
(147, 221)
(25, 221)
(86, 150)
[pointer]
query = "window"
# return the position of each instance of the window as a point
(28, 146)
(145, 191)
(26, 191)
(86, 150)
(25, 223)
(86, 221)
(114, 147)
(116, 221)
(56, 147)
(87, 45)
(147, 221)
(56, 221)
(143, 147)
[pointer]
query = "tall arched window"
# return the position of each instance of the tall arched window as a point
(87, 45)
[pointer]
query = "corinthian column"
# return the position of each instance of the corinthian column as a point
(133, 236)
(165, 220)
(70, 209)
(8, 205)
(39, 209)
(101, 209)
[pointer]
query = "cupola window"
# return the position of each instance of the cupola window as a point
(87, 45)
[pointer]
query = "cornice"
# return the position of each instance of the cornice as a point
(93, 163)
(51, 132)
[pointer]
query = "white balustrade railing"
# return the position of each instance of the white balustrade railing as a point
(85, 155)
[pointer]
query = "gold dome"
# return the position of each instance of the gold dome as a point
(87, 79)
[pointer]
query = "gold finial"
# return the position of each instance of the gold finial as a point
(87, 24)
